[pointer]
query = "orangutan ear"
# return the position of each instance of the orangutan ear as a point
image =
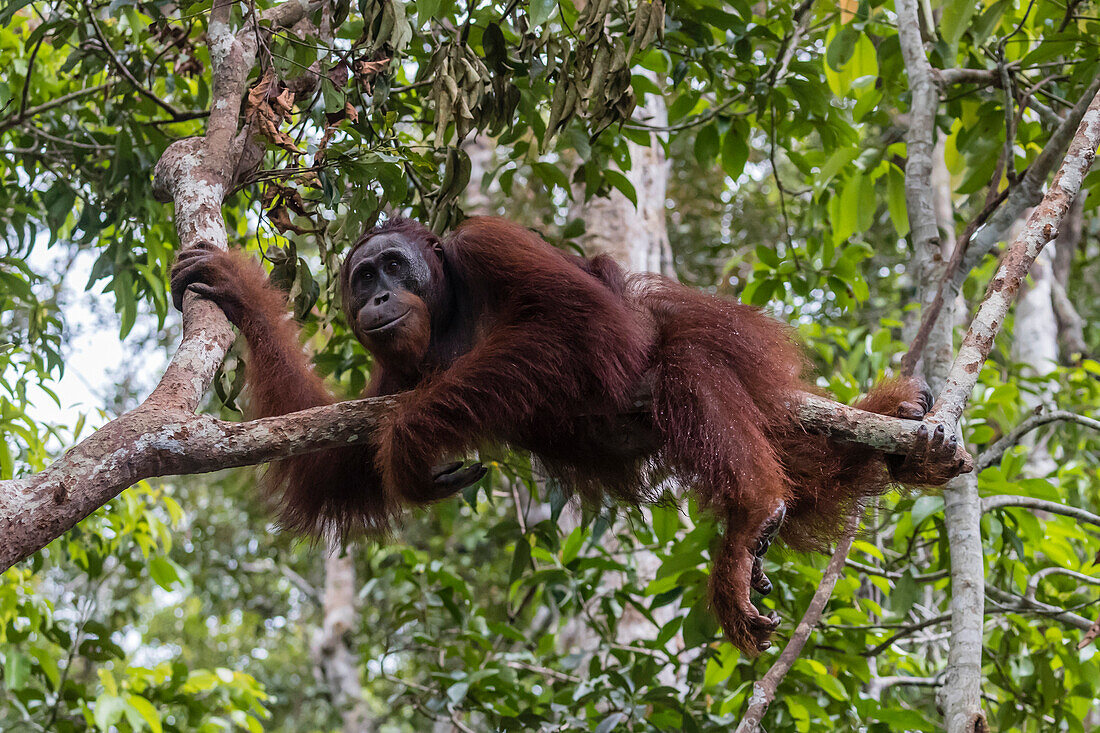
(438, 249)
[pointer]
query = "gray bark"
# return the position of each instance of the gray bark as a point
(1071, 330)
(337, 661)
(637, 237)
(1035, 346)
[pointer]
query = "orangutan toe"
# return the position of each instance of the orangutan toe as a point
(769, 530)
(758, 580)
(761, 628)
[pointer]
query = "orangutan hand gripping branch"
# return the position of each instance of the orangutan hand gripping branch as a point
(491, 334)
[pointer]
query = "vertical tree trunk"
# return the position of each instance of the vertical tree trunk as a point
(960, 698)
(637, 237)
(337, 662)
(1070, 326)
(1036, 346)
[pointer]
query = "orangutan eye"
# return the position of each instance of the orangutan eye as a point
(393, 266)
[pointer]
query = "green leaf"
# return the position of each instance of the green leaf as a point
(108, 711)
(926, 506)
(735, 151)
(163, 572)
(427, 9)
(841, 47)
(7, 465)
(832, 686)
(700, 626)
(552, 176)
(839, 160)
(147, 712)
(895, 201)
(572, 545)
(954, 21)
(521, 559)
(666, 522)
(707, 145)
(860, 68)
(768, 256)
(621, 182)
(539, 11)
(17, 668)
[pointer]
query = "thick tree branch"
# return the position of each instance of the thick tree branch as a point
(1040, 228)
(961, 697)
(163, 437)
(919, 143)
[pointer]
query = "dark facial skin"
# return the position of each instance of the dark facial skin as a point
(391, 285)
(380, 272)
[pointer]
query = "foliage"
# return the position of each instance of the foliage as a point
(63, 639)
(509, 611)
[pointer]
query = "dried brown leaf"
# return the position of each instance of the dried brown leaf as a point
(281, 219)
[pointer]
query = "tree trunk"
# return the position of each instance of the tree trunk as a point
(637, 237)
(336, 659)
(1071, 332)
(1036, 347)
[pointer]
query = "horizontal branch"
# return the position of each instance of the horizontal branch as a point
(1003, 501)
(894, 574)
(1026, 605)
(879, 684)
(947, 77)
(163, 438)
(152, 441)
(995, 452)
(852, 425)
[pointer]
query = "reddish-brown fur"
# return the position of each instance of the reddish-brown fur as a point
(546, 351)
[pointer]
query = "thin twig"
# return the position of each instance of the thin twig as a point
(1003, 501)
(995, 452)
(1034, 580)
(122, 68)
(15, 120)
(764, 691)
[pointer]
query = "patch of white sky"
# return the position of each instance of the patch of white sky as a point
(95, 359)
